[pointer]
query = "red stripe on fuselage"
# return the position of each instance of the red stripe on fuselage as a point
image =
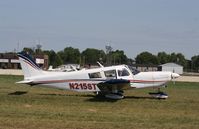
(147, 81)
(89, 80)
(62, 81)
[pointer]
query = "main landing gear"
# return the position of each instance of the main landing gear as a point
(159, 94)
(111, 95)
(115, 95)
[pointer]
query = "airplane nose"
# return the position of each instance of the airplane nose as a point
(174, 75)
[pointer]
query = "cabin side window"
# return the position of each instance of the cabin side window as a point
(110, 74)
(95, 75)
(123, 72)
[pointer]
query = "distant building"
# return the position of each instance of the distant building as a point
(10, 61)
(172, 67)
(42, 60)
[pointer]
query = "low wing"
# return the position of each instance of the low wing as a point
(114, 84)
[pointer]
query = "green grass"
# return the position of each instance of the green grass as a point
(25, 107)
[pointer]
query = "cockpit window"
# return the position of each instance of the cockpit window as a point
(110, 73)
(123, 72)
(95, 75)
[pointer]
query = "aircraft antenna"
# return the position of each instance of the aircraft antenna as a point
(100, 64)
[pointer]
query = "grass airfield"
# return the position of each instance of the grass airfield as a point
(24, 107)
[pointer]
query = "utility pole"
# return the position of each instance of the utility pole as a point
(108, 54)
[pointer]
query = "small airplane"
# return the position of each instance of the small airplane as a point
(64, 68)
(108, 81)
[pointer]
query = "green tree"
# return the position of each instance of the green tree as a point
(163, 58)
(195, 63)
(91, 56)
(173, 57)
(181, 59)
(118, 57)
(178, 59)
(130, 61)
(146, 58)
(29, 50)
(189, 66)
(70, 55)
(38, 49)
(53, 58)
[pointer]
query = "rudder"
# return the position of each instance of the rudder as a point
(28, 65)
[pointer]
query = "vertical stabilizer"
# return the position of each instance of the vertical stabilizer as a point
(28, 65)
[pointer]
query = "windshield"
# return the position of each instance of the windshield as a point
(133, 70)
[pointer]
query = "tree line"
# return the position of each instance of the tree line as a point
(114, 57)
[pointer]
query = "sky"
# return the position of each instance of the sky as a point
(130, 25)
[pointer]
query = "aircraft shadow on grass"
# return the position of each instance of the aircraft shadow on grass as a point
(98, 98)
(72, 95)
(139, 97)
(18, 93)
(104, 99)
(92, 98)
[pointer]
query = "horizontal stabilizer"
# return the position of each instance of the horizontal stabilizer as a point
(24, 82)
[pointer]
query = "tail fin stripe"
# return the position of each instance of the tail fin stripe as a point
(29, 61)
(30, 64)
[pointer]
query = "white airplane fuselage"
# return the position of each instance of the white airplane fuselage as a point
(81, 82)
(110, 81)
